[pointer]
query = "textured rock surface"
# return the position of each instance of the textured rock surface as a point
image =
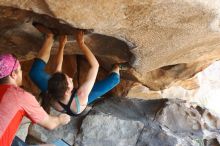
(103, 130)
(203, 89)
(117, 121)
(166, 41)
(125, 111)
(180, 119)
(23, 129)
(67, 132)
(188, 123)
(157, 33)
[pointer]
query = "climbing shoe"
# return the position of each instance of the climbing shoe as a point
(124, 66)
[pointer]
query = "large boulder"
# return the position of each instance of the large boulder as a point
(115, 121)
(155, 37)
(166, 43)
(104, 129)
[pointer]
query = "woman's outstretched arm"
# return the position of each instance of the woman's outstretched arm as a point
(86, 87)
(59, 56)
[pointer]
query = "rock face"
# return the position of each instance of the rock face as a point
(203, 89)
(166, 42)
(156, 37)
(135, 122)
(103, 129)
(67, 132)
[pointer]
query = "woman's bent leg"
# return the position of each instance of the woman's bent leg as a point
(103, 86)
(38, 74)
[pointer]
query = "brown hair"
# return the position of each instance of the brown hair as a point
(57, 85)
(4, 80)
(45, 101)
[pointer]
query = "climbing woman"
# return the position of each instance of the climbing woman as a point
(59, 87)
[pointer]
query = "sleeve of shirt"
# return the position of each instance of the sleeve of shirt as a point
(31, 106)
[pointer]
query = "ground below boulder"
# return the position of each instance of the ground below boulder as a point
(134, 122)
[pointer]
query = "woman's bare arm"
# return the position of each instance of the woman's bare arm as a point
(59, 56)
(87, 86)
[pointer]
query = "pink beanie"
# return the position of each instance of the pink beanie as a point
(8, 63)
